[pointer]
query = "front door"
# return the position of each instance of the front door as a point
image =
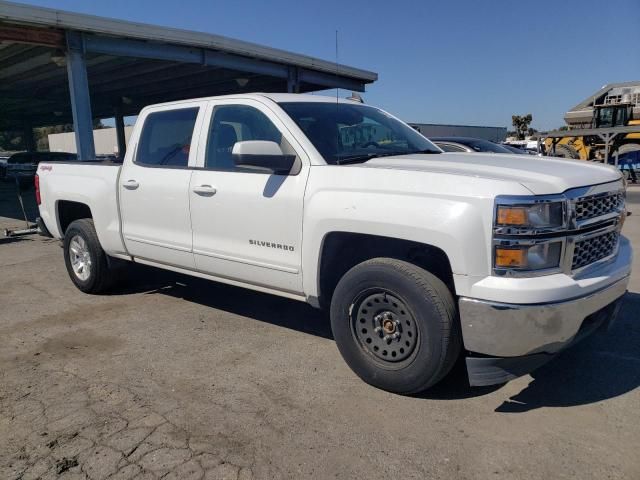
(154, 186)
(247, 225)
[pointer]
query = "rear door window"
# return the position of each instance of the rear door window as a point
(166, 138)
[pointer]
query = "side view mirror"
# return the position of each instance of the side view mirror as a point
(263, 156)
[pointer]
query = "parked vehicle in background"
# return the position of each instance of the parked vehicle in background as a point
(516, 150)
(467, 144)
(528, 146)
(4, 156)
(26, 163)
(417, 254)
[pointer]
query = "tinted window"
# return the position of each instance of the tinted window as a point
(341, 131)
(237, 123)
(166, 138)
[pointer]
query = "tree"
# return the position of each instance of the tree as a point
(521, 124)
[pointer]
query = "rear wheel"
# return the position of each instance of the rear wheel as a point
(628, 148)
(566, 151)
(84, 258)
(395, 324)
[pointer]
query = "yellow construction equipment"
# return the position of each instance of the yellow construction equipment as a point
(603, 127)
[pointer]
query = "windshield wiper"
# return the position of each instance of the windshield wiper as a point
(369, 156)
(356, 158)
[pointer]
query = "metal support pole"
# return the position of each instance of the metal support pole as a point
(293, 82)
(120, 135)
(28, 139)
(80, 100)
(607, 138)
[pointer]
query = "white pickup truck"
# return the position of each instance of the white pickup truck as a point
(418, 255)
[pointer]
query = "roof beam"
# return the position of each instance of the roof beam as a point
(207, 57)
(244, 64)
(176, 53)
(329, 81)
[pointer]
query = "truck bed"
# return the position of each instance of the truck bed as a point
(92, 183)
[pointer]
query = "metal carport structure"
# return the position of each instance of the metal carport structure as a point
(57, 67)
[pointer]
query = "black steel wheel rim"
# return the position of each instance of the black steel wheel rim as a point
(384, 326)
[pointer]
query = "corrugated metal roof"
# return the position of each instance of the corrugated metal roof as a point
(49, 17)
(130, 65)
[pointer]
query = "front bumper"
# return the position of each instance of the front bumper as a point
(484, 370)
(509, 340)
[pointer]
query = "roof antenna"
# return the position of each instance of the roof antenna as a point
(337, 94)
(337, 71)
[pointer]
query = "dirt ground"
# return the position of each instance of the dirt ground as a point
(180, 378)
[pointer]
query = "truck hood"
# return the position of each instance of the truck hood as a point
(541, 175)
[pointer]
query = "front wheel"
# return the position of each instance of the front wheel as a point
(85, 260)
(395, 324)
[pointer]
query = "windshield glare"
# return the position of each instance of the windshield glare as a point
(341, 131)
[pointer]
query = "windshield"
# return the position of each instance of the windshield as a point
(344, 132)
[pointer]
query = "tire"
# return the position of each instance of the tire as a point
(628, 148)
(566, 151)
(85, 259)
(382, 297)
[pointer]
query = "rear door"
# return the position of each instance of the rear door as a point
(247, 225)
(154, 185)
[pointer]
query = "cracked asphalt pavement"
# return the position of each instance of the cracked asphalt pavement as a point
(178, 378)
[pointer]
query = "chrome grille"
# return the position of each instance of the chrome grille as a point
(598, 205)
(593, 249)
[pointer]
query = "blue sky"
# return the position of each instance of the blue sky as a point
(454, 61)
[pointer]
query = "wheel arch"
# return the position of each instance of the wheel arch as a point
(67, 211)
(342, 250)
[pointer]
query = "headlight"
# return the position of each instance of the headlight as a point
(529, 234)
(537, 256)
(548, 215)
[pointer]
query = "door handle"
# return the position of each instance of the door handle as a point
(205, 190)
(130, 184)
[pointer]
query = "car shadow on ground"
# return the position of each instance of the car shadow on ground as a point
(238, 301)
(21, 238)
(603, 366)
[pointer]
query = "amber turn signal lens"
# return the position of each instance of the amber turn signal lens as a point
(512, 216)
(511, 257)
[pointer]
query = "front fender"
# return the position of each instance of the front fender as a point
(459, 227)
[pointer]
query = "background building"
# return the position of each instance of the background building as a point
(493, 134)
(105, 140)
